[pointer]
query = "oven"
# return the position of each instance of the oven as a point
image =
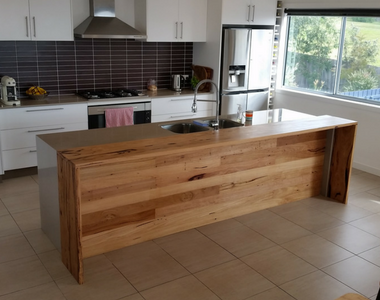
(97, 119)
(99, 101)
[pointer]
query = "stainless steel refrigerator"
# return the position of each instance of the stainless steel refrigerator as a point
(246, 68)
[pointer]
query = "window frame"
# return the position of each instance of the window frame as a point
(344, 13)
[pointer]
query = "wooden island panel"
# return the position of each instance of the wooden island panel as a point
(138, 191)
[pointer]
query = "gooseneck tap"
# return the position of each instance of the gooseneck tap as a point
(214, 123)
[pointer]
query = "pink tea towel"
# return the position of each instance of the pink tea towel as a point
(116, 117)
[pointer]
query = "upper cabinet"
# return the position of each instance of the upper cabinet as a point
(172, 20)
(248, 12)
(47, 20)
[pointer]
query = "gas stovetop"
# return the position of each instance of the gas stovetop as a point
(109, 94)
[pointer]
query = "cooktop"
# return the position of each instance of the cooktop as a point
(104, 94)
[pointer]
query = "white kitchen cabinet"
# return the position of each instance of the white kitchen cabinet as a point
(172, 20)
(249, 12)
(47, 20)
(179, 108)
(19, 127)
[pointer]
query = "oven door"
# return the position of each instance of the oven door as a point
(97, 119)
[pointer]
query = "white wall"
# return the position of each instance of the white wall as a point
(367, 147)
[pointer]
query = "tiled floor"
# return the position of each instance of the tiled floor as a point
(312, 249)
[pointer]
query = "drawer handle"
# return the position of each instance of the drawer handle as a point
(35, 110)
(183, 116)
(32, 151)
(188, 99)
(50, 129)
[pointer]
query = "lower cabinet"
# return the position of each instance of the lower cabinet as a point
(179, 108)
(20, 126)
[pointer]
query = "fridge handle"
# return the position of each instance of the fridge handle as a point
(249, 12)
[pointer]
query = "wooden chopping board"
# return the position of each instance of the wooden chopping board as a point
(201, 73)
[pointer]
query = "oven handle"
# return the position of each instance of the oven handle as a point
(100, 110)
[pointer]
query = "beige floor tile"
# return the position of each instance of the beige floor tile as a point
(35, 177)
(193, 250)
(366, 201)
(28, 220)
(234, 280)
(186, 288)
(272, 294)
(3, 209)
(39, 241)
(312, 219)
(241, 240)
(316, 286)
(278, 265)
(372, 256)
(53, 263)
(8, 226)
(317, 251)
(357, 273)
(17, 186)
(146, 265)
(343, 212)
(375, 191)
(289, 207)
(369, 224)
(48, 291)
(21, 202)
(273, 226)
(132, 297)
(21, 274)
(363, 182)
(14, 247)
(101, 281)
(350, 238)
(219, 226)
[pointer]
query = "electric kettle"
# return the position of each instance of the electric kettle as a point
(177, 82)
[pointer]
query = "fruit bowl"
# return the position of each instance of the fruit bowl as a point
(38, 97)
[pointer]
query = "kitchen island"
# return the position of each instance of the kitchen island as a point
(122, 186)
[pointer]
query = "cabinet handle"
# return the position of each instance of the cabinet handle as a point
(32, 151)
(34, 26)
(187, 99)
(27, 26)
(176, 30)
(182, 116)
(36, 110)
(181, 30)
(249, 12)
(253, 13)
(50, 129)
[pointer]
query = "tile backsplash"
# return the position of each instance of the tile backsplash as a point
(63, 68)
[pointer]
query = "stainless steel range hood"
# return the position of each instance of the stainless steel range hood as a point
(102, 23)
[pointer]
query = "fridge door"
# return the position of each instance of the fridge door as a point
(230, 103)
(260, 63)
(257, 101)
(235, 59)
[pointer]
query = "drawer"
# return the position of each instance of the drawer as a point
(32, 116)
(19, 158)
(182, 116)
(26, 137)
(162, 106)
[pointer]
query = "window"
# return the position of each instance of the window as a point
(334, 52)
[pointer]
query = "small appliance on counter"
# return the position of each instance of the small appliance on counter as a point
(8, 91)
(177, 82)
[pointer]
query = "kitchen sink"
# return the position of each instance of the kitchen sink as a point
(226, 123)
(184, 128)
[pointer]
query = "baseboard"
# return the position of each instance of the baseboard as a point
(19, 173)
(366, 168)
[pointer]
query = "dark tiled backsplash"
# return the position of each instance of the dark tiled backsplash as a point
(63, 68)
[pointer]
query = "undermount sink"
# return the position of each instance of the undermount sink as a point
(184, 128)
(226, 123)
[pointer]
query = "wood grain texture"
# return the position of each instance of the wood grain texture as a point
(126, 193)
(341, 163)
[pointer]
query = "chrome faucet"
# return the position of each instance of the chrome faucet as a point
(214, 123)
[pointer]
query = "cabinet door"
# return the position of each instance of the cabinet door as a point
(14, 16)
(263, 12)
(236, 11)
(192, 20)
(51, 20)
(162, 20)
